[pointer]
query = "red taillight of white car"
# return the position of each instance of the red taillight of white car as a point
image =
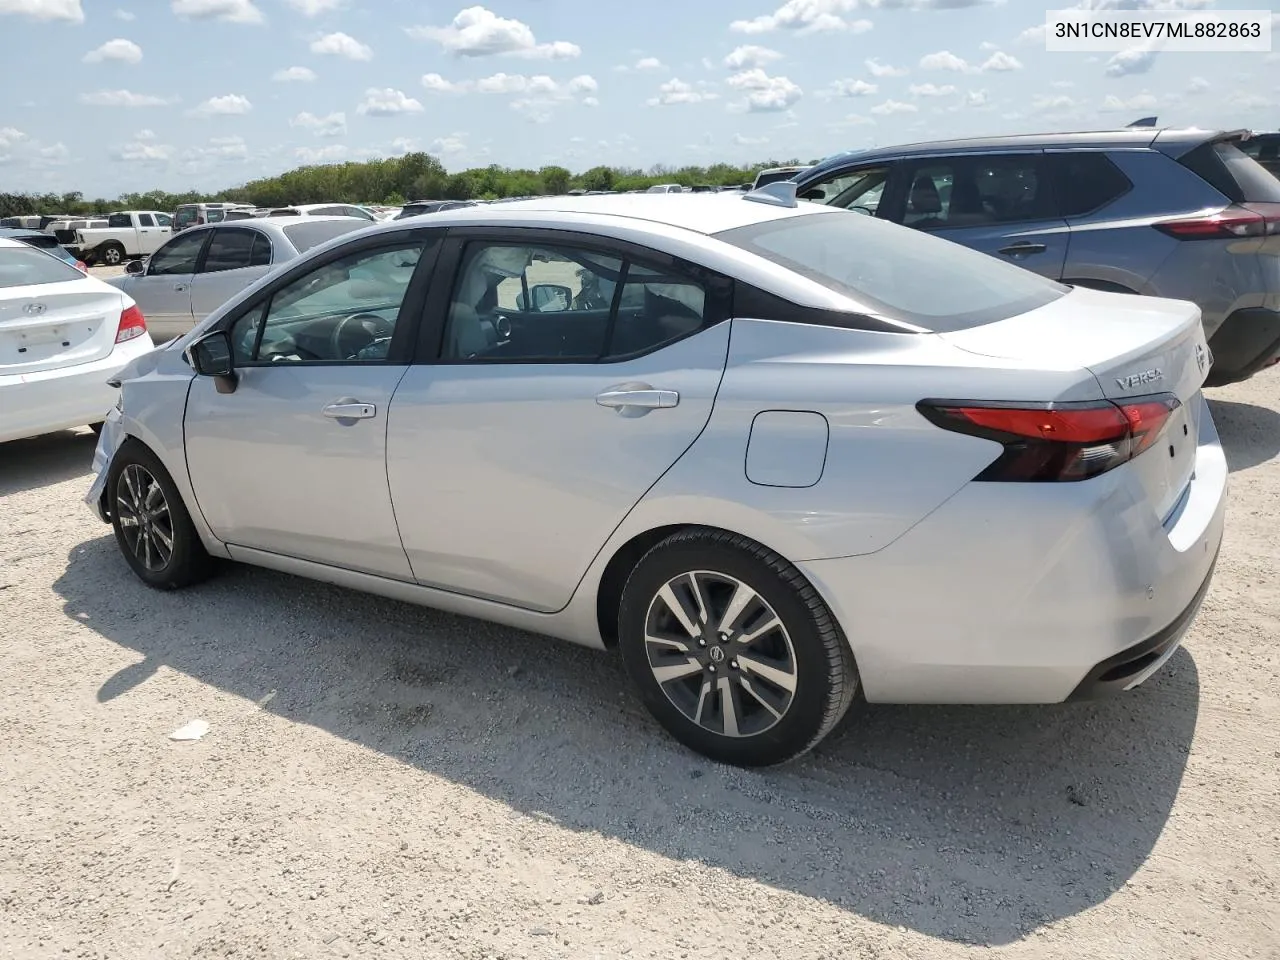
(132, 324)
(82, 266)
(1056, 442)
(1235, 222)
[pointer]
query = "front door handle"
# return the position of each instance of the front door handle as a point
(647, 398)
(349, 410)
(179, 287)
(1026, 246)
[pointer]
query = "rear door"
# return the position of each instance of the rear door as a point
(1001, 204)
(544, 406)
(51, 315)
(235, 258)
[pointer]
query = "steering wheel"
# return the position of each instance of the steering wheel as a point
(865, 211)
(371, 325)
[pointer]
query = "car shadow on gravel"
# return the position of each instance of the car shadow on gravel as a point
(45, 460)
(976, 825)
(1250, 433)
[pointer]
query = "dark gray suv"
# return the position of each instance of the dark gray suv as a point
(1167, 213)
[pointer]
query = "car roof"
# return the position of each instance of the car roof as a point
(705, 213)
(1126, 137)
(264, 224)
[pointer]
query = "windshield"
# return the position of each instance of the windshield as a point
(26, 266)
(898, 272)
(306, 234)
(186, 216)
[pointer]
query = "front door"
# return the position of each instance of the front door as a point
(293, 462)
(558, 400)
(163, 292)
(1001, 204)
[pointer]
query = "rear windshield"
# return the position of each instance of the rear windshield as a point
(46, 242)
(898, 272)
(306, 234)
(186, 216)
(24, 266)
(1232, 173)
(774, 176)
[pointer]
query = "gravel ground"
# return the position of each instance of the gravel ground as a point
(381, 780)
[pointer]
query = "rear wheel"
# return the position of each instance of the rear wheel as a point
(732, 650)
(151, 523)
(111, 254)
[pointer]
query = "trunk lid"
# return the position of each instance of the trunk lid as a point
(51, 325)
(1134, 347)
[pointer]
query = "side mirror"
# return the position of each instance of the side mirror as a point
(550, 297)
(210, 356)
(135, 268)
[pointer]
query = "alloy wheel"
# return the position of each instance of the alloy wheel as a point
(146, 525)
(720, 653)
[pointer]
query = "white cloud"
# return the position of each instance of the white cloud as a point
(142, 151)
(1141, 101)
(878, 69)
(976, 98)
(765, 94)
(220, 150)
(230, 105)
(330, 125)
(930, 90)
(309, 155)
(313, 8)
(453, 143)
(1197, 85)
(1131, 61)
(1034, 35)
(402, 145)
(944, 60)
(854, 88)
(583, 84)
(145, 134)
(124, 15)
(438, 84)
(294, 75)
(341, 45)
(1053, 104)
(122, 98)
(124, 51)
(751, 55)
(806, 16)
(1000, 62)
(591, 101)
(9, 136)
(387, 102)
(232, 11)
(54, 153)
(648, 63)
(676, 91)
(69, 11)
(742, 141)
(988, 45)
(890, 107)
(1063, 84)
(478, 32)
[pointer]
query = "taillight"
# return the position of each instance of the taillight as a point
(1056, 442)
(132, 324)
(82, 266)
(1254, 220)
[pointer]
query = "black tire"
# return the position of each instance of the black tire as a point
(110, 254)
(823, 675)
(187, 561)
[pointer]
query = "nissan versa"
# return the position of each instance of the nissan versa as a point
(773, 452)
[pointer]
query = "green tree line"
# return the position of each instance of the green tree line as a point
(414, 176)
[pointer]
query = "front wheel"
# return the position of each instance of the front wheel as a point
(732, 650)
(152, 526)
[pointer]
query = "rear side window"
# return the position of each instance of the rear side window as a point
(1086, 182)
(973, 191)
(229, 250)
(146, 220)
(904, 275)
(1233, 174)
(25, 266)
(307, 234)
(119, 220)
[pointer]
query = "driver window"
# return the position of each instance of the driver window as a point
(342, 311)
(859, 190)
(178, 256)
(525, 302)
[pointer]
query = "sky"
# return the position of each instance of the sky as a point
(112, 96)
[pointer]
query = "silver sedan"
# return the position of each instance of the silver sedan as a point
(203, 267)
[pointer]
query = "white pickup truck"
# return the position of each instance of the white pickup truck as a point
(128, 235)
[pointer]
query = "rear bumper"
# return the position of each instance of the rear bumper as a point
(1247, 341)
(1019, 593)
(51, 400)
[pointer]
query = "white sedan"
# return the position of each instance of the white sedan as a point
(63, 335)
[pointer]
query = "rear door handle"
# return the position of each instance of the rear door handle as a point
(349, 411)
(179, 287)
(648, 398)
(1026, 246)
